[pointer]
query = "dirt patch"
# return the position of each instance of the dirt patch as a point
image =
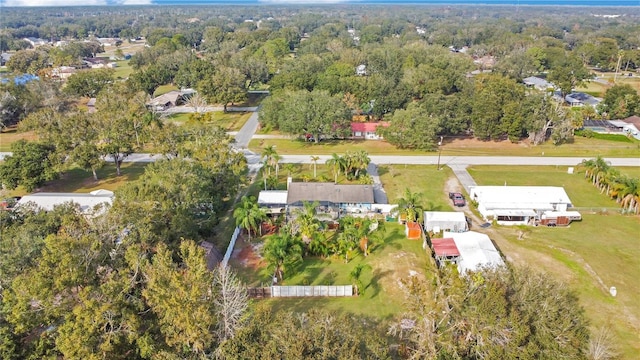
(248, 254)
(395, 268)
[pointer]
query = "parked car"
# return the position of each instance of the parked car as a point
(457, 198)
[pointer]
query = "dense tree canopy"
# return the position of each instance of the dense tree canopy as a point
(316, 113)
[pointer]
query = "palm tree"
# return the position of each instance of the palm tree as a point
(355, 275)
(362, 161)
(601, 167)
(319, 246)
(305, 220)
(314, 162)
(630, 194)
(410, 205)
(275, 162)
(290, 168)
(248, 214)
(282, 251)
(267, 155)
(337, 164)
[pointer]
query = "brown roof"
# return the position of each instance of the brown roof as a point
(635, 120)
(335, 193)
(212, 255)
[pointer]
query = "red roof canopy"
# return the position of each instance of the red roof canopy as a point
(367, 126)
(445, 247)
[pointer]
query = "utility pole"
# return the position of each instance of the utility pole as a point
(439, 150)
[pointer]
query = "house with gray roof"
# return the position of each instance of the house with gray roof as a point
(538, 83)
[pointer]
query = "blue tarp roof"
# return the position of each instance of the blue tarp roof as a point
(20, 79)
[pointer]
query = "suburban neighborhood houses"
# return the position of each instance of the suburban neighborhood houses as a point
(343, 181)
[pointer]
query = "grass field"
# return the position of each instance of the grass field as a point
(123, 69)
(163, 89)
(78, 180)
(12, 135)
(231, 121)
(590, 256)
(390, 261)
(582, 147)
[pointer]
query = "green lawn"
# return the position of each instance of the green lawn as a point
(12, 135)
(163, 89)
(123, 70)
(582, 147)
(231, 121)
(81, 181)
(590, 256)
(419, 179)
(395, 259)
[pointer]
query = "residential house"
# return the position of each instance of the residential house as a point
(96, 62)
(92, 203)
(4, 57)
(581, 99)
(367, 130)
(521, 205)
(170, 99)
(334, 200)
(63, 72)
(538, 83)
(35, 42)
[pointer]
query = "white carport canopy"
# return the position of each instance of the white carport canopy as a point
(476, 251)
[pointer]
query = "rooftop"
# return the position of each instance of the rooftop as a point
(329, 192)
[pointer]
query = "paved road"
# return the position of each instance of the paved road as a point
(188, 109)
(242, 140)
(246, 132)
(469, 160)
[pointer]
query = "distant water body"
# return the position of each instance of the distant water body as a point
(599, 3)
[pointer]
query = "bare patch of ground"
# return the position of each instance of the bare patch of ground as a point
(247, 254)
(393, 269)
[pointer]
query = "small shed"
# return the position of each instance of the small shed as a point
(445, 250)
(413, 230)
(437, 221)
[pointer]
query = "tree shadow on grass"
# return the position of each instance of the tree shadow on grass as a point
(382, 170)
(374, 284)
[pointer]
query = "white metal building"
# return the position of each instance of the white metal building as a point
(476, 251)
(275, 201)
(518, 205)
(87, 202)
(437, 221)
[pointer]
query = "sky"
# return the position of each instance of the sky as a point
(20, 3)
